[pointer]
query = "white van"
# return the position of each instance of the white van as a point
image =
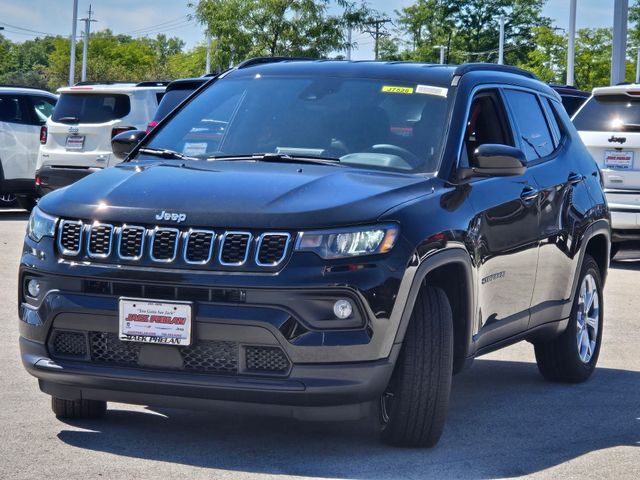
(76, 140)
(22, 112)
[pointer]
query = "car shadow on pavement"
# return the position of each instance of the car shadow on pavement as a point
(504, 421)
(13, 215)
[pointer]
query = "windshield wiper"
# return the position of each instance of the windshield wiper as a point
(164, 153)
(279, 157)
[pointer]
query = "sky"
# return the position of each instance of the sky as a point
(149, 17)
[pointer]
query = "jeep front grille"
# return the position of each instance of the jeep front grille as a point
(192, 248)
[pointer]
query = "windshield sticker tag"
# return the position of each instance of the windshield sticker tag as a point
(392, 89)
(193, 149)
(429, 90)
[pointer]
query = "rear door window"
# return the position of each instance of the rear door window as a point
(91, 107)
(530, 121)
(606, 113)
(12, 109)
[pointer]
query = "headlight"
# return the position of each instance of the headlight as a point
(349, 242)
(40, 225)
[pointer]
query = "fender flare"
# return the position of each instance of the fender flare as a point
(453, 255)
(599, 227)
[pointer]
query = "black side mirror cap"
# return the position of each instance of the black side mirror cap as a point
(494, 160)
(124, 142)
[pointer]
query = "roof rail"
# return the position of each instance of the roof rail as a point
(9, 85)
(262, 60)
(153, 83)
(493, 67)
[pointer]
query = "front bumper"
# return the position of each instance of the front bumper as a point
(330, 367)
(624, 206)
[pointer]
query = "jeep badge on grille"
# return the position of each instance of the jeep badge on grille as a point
(169, 216)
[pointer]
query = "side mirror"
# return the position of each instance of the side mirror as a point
(124, 142)
(493, 160)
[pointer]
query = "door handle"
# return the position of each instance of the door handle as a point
(529, 194)
(574, 178)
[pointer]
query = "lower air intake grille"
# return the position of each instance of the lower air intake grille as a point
(266, 359)
(69, 343)
(70, 237)
(131, 240)
(234, 248)
(108, 348)
(100, 240)
(211, 356)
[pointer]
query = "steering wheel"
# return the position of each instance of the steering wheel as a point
(403, 153)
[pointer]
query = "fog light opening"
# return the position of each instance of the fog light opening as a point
(342, 309)
(33, 288)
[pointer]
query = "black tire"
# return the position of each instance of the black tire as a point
(78, 409)
(414, 407)
(26, 203)
(559, 359)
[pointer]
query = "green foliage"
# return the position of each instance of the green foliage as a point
(249, 28)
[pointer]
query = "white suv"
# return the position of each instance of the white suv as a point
(609, 124)
(22, 112)
(76, 140)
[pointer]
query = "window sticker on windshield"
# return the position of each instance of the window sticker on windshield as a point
(392, 89)
(193, 149)
(429, 90)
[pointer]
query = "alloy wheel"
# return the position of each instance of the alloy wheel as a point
(588, 318)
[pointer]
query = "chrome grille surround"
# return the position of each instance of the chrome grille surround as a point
(62, 232)
(223, 242)
(161, 231)
(96, 237)
(192, 233)
(285, 249)
(121, 236)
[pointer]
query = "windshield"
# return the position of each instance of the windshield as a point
(91, 107)
(364, 122)
(607, 113)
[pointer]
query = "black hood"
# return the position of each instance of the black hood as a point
(236, 194)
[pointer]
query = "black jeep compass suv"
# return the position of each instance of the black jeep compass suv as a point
(322, 239)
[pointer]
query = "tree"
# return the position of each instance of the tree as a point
(548, 59)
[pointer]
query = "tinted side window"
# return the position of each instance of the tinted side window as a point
(554, 121)
(171, 100)
(42, 108)
(572, 103)
(11, 109)
(535, 137)
(486, 124)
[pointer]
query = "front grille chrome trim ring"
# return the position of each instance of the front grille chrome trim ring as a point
(144, 237)
(223, 238)
(175, 246)
(284, 252)
(186, 246)
(61, 247)
(90, 232)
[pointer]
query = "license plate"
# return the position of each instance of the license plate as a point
(149, 321)
(618, 160)
(74, 142)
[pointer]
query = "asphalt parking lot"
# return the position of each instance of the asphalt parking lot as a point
(505, 420)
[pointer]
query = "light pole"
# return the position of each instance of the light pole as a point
(638, 66)
(441, 47)
(619, 51)
(501, 42)
(571, 47)
(72, 59)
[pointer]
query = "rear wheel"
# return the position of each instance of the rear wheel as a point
(572, 356)
(78, 409)
(414, 407)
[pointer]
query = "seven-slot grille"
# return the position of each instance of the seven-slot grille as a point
(165, 245)
(234, 248)
(100, 237)
(70, 237)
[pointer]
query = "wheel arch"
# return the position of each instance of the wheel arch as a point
(450, 270)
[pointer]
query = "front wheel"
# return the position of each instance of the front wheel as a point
(572, 356)
(78, 409)
(414, 407)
